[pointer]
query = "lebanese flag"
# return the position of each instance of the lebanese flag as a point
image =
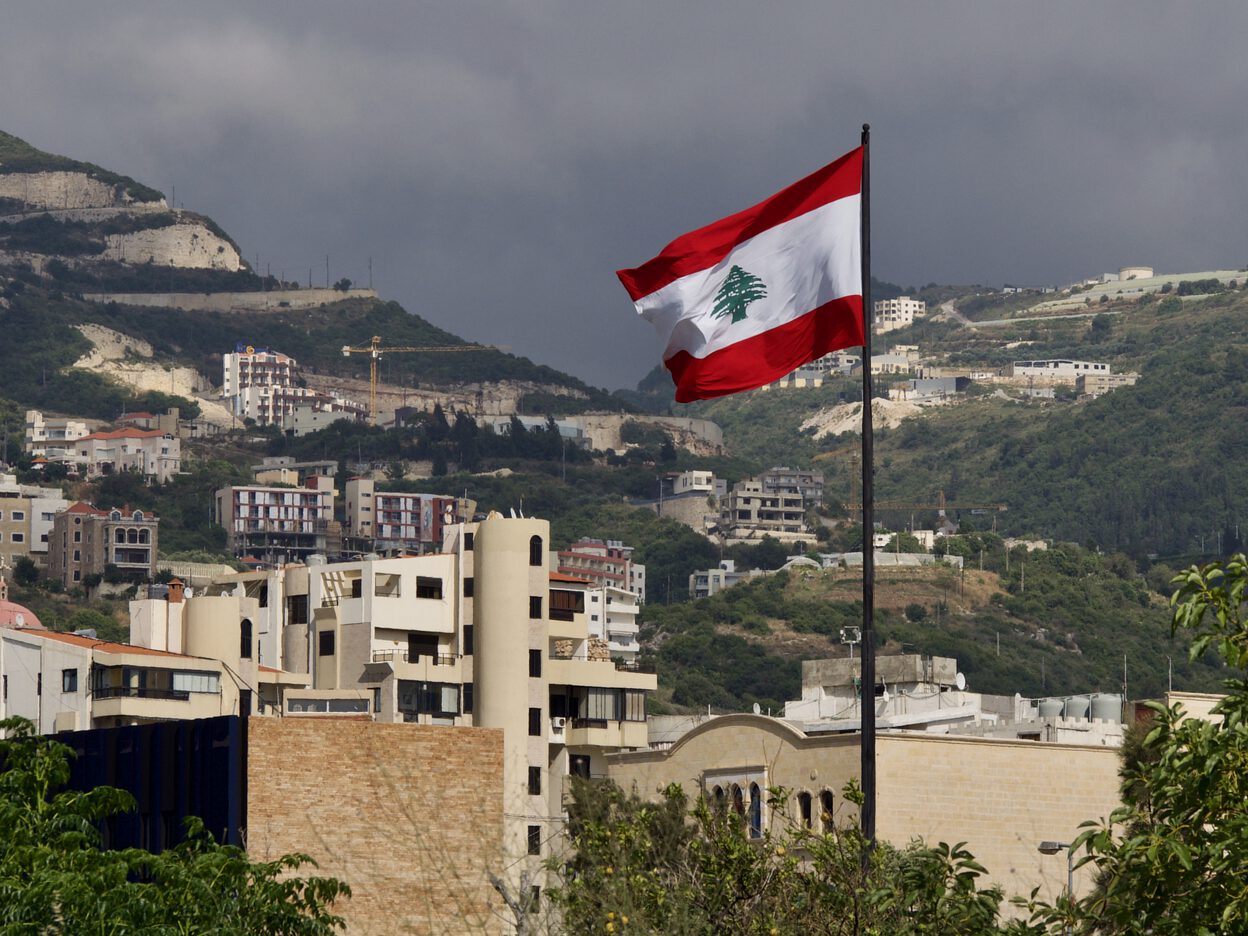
(744, 301)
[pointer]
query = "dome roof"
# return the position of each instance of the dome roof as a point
(13, 614)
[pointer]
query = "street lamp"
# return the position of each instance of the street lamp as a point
(1052, 848)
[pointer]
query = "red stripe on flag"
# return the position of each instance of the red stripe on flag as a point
(706, 246)
(767, 357)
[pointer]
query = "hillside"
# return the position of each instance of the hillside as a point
(70, 228)
(1057, 622)
(1153, 469)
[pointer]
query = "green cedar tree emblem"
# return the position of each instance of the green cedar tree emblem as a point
(738, 291)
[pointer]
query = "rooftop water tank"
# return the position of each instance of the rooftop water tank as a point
(1051, 708)
(1077, 707)
(1107, 706)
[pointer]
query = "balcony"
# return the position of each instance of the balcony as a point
(404, 656)
(137, 692)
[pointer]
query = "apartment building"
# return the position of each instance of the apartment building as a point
(280, 524)
(396, 521)
(611, 614)
(751, 512)
(26, 515)
(605, 562)
(153, 453)
(891, 314)
(86, 541)
(782, 480)
(52, 437)
(260, 384)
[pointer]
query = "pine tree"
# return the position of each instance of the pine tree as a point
(738, 291)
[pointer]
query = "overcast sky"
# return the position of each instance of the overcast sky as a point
(498, 161)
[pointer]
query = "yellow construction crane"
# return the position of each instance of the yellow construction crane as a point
(374, 350)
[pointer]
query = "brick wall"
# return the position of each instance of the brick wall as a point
(410, 816)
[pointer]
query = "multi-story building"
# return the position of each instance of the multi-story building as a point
(1056, 371)
(86, 541)
(26, 515)
(891, 314)
(707, 582)
(282, 469)
(1095, 385)
(696, 481)
(52, 438)
(260, 384)
(396, 520)
(808, 484)
(605, 562)
(286, 524)
(153, 453)
(751, 513)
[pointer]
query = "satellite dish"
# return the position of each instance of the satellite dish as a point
(758, 709)
(960, 682)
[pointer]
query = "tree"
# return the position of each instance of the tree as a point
(25, 571)
(343, 284)
(737, 292)
(1171, 860)
(56, 878)
(677, 869)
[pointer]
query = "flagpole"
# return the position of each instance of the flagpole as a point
(867, 687)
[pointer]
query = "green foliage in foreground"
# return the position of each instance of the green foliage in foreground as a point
(55, 878)
(666, 868)
(1171, 862)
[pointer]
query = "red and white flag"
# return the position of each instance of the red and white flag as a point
(744, 301)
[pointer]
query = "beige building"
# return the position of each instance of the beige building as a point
(26, 515)
(153, 453)
(52, 437)
(891, 314)
(395, 520)
(279, 523)
(1095, 385)
(86, 540)
(1002, 797)
(751, 512)
(605, 562)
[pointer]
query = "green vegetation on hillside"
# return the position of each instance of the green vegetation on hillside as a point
(16, 155)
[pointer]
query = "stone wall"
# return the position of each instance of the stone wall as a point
(276, 300)
(409, 815)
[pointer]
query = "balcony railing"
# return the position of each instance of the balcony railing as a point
(138, 692)
(405, 656)
(632, 666)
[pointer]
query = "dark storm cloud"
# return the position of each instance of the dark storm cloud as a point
(498, 161)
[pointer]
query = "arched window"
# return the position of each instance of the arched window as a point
(119, 536)
(535, 551)
(827, 816)
(115, 515)
(137, 515)
(738, 801)
(132, 536)
(805, 806)
(756, 811)
(244, 639)
(145, 537)
(717, 799)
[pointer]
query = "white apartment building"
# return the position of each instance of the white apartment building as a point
(891, 314)
(1057, 371)
(152, 453)
(259, 384)
(51, 438)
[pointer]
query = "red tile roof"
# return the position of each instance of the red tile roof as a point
(106, 646)
(560, 577)
(124, 434)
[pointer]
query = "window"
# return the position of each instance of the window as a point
(468, 538)
(467, 698)
(77, 575)
(18, 537)
(244, 702)
(145, 537)
(387, 585)
(325, 643)
(535, 551)
(357, 588)
(535, 840)
(805, 804)
(194, 682)
(244, 639)
(468, 632)
(535, 781)
(18, 515)
(469, 586)
(77, 555)
(601, 704)
(422, 645)
(565, 604)
(535, 663)
(77, 536)
(634, 705)
(69, 680)
(535, 606)
(535, 722)
(827, 817)
(428, 587)
(428, 698)
(535, 899)
(579, 766)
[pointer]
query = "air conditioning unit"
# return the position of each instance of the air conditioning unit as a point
(558, 722)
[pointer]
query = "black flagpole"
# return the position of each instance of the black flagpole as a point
(867, 687)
